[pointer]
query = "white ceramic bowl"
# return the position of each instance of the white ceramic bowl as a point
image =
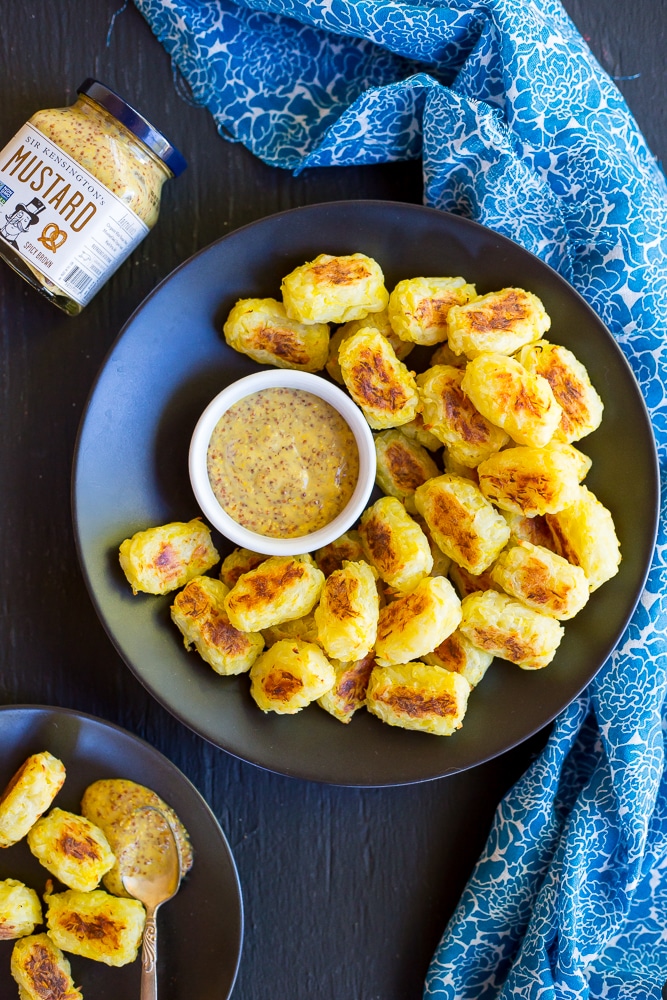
(290, 379)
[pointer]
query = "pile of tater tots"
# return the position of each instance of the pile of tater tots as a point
(484, 541)
(81, 851)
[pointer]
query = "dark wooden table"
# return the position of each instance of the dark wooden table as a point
(346, 891)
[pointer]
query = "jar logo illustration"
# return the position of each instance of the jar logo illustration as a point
(19, 221)
(52, 237)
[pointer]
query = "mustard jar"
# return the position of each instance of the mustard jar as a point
(80, 188)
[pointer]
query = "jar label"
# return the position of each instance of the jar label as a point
(60, 218)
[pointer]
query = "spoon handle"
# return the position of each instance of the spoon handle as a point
(149, 958)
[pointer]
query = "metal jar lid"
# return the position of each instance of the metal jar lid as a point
(135, 122)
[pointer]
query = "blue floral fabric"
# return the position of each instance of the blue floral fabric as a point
(519, 128)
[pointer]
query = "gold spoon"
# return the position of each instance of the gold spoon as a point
(150, 868)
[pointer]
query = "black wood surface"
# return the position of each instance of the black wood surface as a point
(346, 891)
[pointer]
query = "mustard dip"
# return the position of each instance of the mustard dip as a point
(282, 462)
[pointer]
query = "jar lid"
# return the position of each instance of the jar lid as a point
(135, 122)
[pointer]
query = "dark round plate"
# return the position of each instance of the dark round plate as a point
(131, 472)
(199, 931)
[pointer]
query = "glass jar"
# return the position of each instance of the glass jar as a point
(79, 189)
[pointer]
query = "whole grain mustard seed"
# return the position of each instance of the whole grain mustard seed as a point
(109, 152)
(282, 462)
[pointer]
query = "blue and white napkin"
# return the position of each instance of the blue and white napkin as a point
(518, 128)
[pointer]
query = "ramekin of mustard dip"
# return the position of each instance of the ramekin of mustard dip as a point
(282, 462)
(80, 188)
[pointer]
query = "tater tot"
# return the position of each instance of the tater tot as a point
(295, 628)
(333, 365)
(261, 329)
(334, 289)
(512, 398)
(444, 355)
(462, 521)
(467, 583)
(415, 623)
(418, 696)
(455, 468)
(72, 848)
(529, 529)
(501, 322)
(347, 615)
(95, 924)
(348, 693)
(542, 580)
(581, 461)
(377, 381)
(238, 562)
(402, 465)
(415, 431)
(380, 322)
(453, 418)
(507, 628)
(37, 966)
(161, 559)
(395, 544)
(282, 587)
(375, 321)
(347, 547)
(570, 384)
(29, 793)
(441, 562)
(289, 676)
(585, 535)
(200, 615)
(530, 481)
(419, 307)
(20, 909)
(457, 653)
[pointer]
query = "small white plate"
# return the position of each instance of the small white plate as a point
(288, 379)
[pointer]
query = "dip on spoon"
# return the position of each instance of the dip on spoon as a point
(150, 868)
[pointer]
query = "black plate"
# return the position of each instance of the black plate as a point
(130, 472)
(199, 931)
